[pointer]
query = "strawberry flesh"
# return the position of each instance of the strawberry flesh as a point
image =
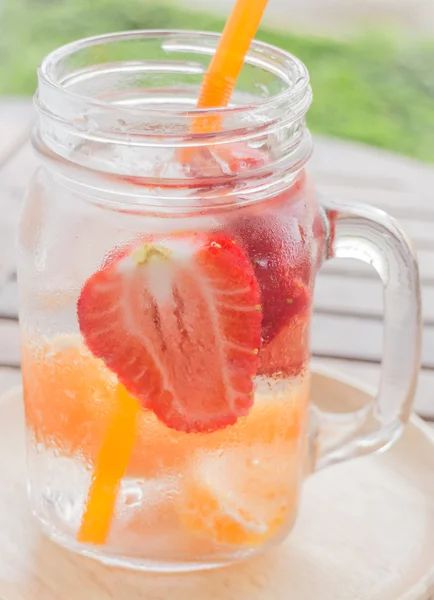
(283, 272)
(288, 353)
(284, 282)
(281, 252)
(179, 322)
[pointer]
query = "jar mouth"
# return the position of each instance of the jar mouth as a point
(67, 70)
(124, 104)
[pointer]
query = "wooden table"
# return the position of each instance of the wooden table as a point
(347, 331)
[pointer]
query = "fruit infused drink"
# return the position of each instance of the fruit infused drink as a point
(166, 296)
(207, 330)
(167, 260)
(166, 386)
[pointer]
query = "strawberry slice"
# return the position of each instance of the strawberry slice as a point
(271, 234)
(281, 252)
(285, 291)
(179, 322)
(283, 276)
(280, 237)
(288, 353)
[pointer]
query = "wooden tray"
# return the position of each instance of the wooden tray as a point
(364, 532)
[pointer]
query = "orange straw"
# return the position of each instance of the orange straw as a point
(221, 78)
(110, 468)
(222, 75)
(112, 462)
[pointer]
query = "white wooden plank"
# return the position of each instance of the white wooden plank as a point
(9, 300)
(419, 227)
(350, 295)
(369, 373)
(9, 378)
(354, 268)
(337, 294)
(358, 338)
(14, 178)
(9, 343)
(398, 202)
(340, 163)
(347, 337)
(364, 372)
(420, 230)
(16, 116)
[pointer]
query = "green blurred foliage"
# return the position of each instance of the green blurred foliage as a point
(377, 88)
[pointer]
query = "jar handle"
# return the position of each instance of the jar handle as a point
(368, 234)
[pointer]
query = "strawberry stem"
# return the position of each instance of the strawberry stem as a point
(144, 254)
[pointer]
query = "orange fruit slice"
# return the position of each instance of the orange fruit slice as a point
(242, 496)
(70, 397)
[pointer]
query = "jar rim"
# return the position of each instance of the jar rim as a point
(93, 112)
(292, 72)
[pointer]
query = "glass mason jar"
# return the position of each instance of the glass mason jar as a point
(167, 260)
